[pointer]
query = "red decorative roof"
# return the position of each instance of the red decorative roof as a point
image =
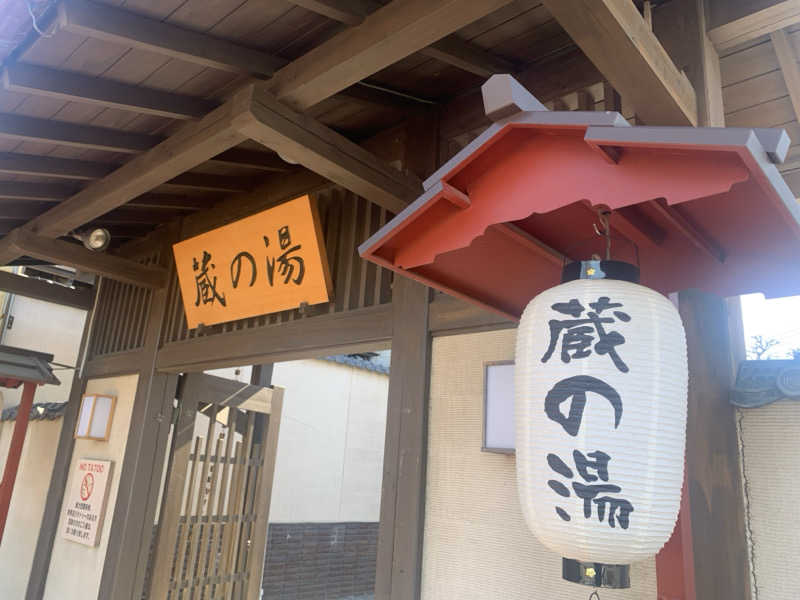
(706, 207)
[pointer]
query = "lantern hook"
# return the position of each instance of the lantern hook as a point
(594, 596)
(604, 230)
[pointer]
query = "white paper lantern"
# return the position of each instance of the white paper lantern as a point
(601, 382)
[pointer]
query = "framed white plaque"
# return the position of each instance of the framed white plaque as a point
(498, 407)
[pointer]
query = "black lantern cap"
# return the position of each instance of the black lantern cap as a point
(596, 574)
(600, 269)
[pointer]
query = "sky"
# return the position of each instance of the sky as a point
(778, 318)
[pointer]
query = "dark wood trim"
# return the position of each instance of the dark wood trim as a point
(714, 484)
(328, 153)
(82, 298)
(32, 129)
(450, 316)
(335, 333)
(111, 365)
(48, 527)
(23, 243)
(62, 85)
(129, 29)
(386, 36)
(399, 560)
(128, 547)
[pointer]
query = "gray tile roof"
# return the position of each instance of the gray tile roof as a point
(44, 411)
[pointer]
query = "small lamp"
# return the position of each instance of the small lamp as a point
(96, 239)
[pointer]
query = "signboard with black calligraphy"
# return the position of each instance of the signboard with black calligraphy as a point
(268, 262)
(84, 506)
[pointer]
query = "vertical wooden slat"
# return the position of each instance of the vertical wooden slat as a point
(263, 496)
(345, 248)
(236, 509)
(121, 333)
(246, 504)
(205, 544)
(356, 264)
(219, 511)
(230, 504)
(380, 272)
(195, 543)
(107, 325)
(361, 301)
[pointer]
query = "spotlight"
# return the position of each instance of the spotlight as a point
(95, 240)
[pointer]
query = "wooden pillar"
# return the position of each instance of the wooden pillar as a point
(711, 539)
(399, 560)
(403, 492)
(131, 534)
(15, 451)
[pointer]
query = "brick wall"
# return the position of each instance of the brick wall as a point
(320, 561)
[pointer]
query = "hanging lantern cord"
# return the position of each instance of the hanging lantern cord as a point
(606, 230)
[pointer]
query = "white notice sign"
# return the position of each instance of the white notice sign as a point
(85, 505)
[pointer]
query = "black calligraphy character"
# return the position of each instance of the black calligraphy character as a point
(619, 510)
(576, 388)
(589, 494)
(236, 268)
(206, 284)
(579, 334)
(284, 237)
(288, 262)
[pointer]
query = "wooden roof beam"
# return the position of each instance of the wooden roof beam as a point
(52, 83)
(761, 22)
(789, 68)
(100, 21)
(384, 37)
(24, 243)
(27, 190)
(193, 144)
(451, 49)
(49, 292)
(620, 43)
(327, 153)
(31, 129)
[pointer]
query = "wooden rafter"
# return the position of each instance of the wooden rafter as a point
(327, 153)
(23, 243)
(123, 27)
(52, 83)
(761, 22)
(617, 39)
(789, 68)
(31, 129)
(49, 292)
(193, 144)
(451, 49)
(391, 33)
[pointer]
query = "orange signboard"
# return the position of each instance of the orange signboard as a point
(268, 262)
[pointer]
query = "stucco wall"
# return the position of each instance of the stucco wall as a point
(75, 570)
(330, 450)
(27, 502)
(770, 450)
(477, 545)
(45, 327)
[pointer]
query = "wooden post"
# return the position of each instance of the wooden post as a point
(399, 561)
(15, 451)
(711, 531)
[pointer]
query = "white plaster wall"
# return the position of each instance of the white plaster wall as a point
(770, 448)
(45, 327)
(75, 570)
(330, 448)
(27, 502)
(477, 545)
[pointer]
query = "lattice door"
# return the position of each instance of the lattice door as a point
(213, 527)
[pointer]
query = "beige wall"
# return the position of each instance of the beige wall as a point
(27, 502)
(476, 544)
(75, 570)
(330, 448)
(45, 327)
(770, 451)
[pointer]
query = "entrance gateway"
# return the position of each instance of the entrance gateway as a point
(212, 530)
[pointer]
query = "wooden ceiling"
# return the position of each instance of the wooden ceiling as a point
(109, 81)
